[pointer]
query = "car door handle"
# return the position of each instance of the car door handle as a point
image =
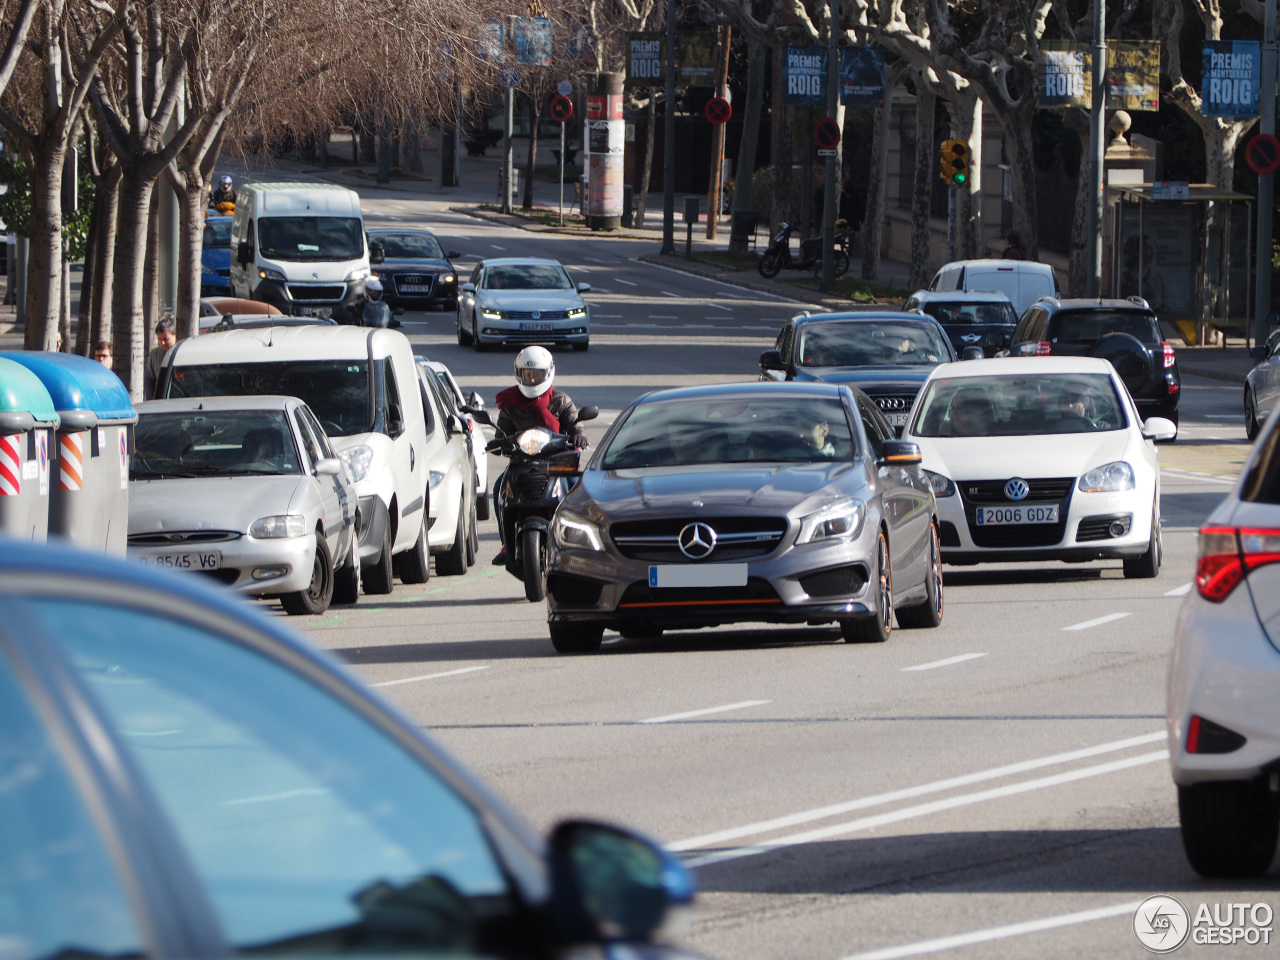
(411, 458)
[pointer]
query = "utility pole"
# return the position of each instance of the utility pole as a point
(508, 154)
(717, 141)
(1266, 181)
(1098, 146)
(831, 190)
(669, 140)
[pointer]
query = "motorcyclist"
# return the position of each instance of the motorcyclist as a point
(533, 402)
(224, 192)
(376, 313)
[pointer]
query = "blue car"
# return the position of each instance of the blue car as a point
(215, 258)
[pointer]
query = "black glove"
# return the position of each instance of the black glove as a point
(580, 441)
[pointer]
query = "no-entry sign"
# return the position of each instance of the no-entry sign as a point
(1263, 154)
(827, 134)
(561, 109)
(718, 110)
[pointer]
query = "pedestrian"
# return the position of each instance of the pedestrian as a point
(1016, 250)
(166, 337)
(104, 353)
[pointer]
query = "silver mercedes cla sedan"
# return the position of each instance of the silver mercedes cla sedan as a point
(736, 503)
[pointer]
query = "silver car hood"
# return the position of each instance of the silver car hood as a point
(210, 503)
(531, 299)
(763, 489)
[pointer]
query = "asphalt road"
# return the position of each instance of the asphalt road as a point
(1001, 780)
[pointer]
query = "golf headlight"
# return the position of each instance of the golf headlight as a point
(575, 312)
(1107, 478)
(942, 486)
(270, 273)
(273, 528)
(359, 273)
(840, 521)
(533, 440)
(570, 530)
(492, 313)
(437, 478)
(357, 460)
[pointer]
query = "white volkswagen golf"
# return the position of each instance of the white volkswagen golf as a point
(1040, 458)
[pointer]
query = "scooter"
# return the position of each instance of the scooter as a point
(532, 489)
(777, 255)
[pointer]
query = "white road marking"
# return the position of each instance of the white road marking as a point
(654, 316)
(597, 260)
(429, 676)
(458, 236)
(945, 663)
(1223, 416)
(925, 809)
(937, 786)
(627, 282)
(608, 316)
(1181, 591)
(1199, 475)
(716, 306)
(998, 933)
(771, 296)
(668, 293)
(496, 247)
(1096, 622)
(702, 713)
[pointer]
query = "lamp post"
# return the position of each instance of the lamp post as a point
(1266, 181)
(1097, 147)
(669, 140)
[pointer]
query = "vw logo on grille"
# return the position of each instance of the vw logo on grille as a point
(537, 314)
(971, 337)
(890, 403)
(1017, 489)
(697, 540)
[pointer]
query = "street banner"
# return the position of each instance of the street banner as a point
(1232, 71)
(862, 76)
(533, 41)
(1066, 74)
(646, 60)
(697, 59)
(580, 43)
(1133, 75)
(491, 44)
(806, 76)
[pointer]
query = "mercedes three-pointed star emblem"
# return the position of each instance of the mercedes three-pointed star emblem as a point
(697, 540)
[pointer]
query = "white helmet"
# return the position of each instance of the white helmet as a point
(535, 369)
(373, 289)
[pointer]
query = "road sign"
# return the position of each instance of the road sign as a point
(564, 88)
(718, 110)
(510, 78)
(1170, 190)
(827, 134)
(561, 109)
(1263, 154)
(826, 153)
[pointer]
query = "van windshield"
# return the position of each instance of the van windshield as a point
(337, 391)
(311, 238)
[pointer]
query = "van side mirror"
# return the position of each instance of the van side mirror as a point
(377, 252)
(244, 252)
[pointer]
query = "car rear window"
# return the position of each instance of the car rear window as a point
(1086, 326)
(971, 313)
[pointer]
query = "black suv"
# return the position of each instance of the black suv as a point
(1126, 332)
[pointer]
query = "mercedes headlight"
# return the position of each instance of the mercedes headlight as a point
(270, 273)
(575, 312)
(942, 486)
(436, 479)
(533, 440)
(273, 528)
(570, 530)
(840, 521)
(359, 273)
(1108, 478)
(357, 460)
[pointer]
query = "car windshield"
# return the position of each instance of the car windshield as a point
(1014, 406)
(409, 246)
(217, 233)
(861, 343)
(1087, 326)
(337, 391)
(527, 276)
(213, 443)
(971, 313)
(311, 238)
(745, 430)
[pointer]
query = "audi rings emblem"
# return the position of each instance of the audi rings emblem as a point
(890, 403)
(1017, 489)
(697, 540)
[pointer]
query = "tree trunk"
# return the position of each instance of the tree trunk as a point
(873, 223)
(44, 273)
(745, 173)
(413, 148)
(646, 169)
(151, 265)
(104, 270)
(966, 114)
(535, 107)
(84, 329)
(127, 320)
(64, 311)
(922, 192)
(782, 119)
(191, 206)
(806, 175)
(1022, 172)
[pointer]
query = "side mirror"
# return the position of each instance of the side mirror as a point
(900, 453)
(584, 288)
(610, 885)
(377, 252)
(1273, 318)
(453, 253)
(1002, 353)
(589, 412)
(475, 401)
(1257, 353)
(972, 353)
(244, 252)
(771, 360)
(1158, 428)
(395, 420)
(468, 287)
(398, 311)
(479, 414)
(328, 467)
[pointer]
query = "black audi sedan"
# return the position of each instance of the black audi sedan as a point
(416, 273)
(887, 355)
(182, 778)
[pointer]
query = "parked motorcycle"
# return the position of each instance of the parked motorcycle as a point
(532, 488)
(777, 256)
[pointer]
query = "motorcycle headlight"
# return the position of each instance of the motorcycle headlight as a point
(359, 273)
(570, 530)
(270, 273)
(1108, 478)
(436, 479)
(533, 440)
(942, 486)
(840, 521)
(358, 460)
(574, 312)
(273, 528)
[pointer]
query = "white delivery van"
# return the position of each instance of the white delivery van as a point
(362, 385)
(1022, 281)
(300, 247)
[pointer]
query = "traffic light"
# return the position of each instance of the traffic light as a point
(954, 161)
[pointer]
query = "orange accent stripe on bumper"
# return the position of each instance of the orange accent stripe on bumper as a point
(695, 603)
